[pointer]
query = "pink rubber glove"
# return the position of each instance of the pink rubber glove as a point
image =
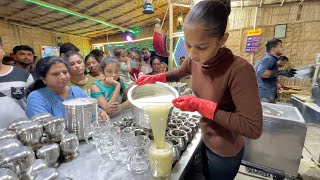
(190, 103)
(149, 79)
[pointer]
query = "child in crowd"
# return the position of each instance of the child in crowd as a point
(92, 63)
(77, 72)
(110, 90)
(164, 67)
(136, 57)
(125, 65)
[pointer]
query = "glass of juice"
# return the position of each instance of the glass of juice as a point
(161, 159)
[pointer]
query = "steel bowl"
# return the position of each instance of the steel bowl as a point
(17, 159)
(176, 149)
(36, 166)
(196, 121)
(7, 174)
(182, 118)
(139, 95)
(4, 134)
(49, 153)
(54, 127)
(14, 124)
(180, 136)
(177, 122)
(120, 124)
(69, 146)
(185, 114)
(47, 174)
(191, 125)
(138, 132)
(127, 120)
(30, 134)
(9, 143)
(172, 126)
(196, 116)
(41, 117)
(189, 132)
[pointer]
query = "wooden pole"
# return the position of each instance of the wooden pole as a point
(254, 27)
(170, 62)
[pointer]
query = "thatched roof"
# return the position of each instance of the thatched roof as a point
(96, 18)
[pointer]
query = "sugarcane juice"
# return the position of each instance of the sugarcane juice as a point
(161, 159)
(158, 116)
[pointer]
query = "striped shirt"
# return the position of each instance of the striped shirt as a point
(13, 86)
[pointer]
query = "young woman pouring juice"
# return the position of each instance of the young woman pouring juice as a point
(225, 88)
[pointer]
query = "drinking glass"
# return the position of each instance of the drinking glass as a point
(121, 151)
(108, 141)
(93, 131)
(161, 160)
(138, 158)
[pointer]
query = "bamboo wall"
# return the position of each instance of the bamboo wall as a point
(13, 35)
(302, 40)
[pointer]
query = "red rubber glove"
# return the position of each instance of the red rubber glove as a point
(149, 79)
(190, 103)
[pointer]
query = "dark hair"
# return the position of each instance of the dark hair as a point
(182, 57)
(283, 58)
(272, 43)
(145, 49)
(68, 55)
(65, 47)
(117, 52)
(22, 48)
(0, 41)
(91, 56)
(213, 14)
(97, 52)
(71, 53)
(154, 58)
(42, 68)
(137, 52)
(6, 59)
(107, 60)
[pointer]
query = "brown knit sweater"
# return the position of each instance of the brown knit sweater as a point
(229, 81)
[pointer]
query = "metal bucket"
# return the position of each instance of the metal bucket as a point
(148, 91)
(79, 113)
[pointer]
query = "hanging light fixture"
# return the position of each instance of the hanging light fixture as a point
(147, 8)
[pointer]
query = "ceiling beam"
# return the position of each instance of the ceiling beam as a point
(27, 8)
(301, 2)
(99, 34)
(94, 15)
(261, 3)
(36, 18)
(282, 2)
(61, 9)
(123, 23)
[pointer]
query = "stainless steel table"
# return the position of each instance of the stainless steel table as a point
(90, 164)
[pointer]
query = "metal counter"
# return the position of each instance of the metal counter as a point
(309, 110)
(90, 164)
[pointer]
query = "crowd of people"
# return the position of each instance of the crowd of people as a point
(28, 88)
